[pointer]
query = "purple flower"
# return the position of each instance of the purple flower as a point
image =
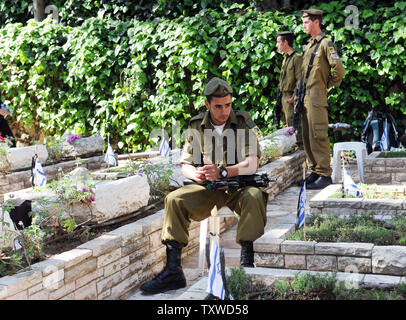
(129, 175)
(73, 137)
(139, 172)
(289, 132)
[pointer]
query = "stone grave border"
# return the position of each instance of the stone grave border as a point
(272, 251)
(18, 180)
(113, 264)
(384, 170)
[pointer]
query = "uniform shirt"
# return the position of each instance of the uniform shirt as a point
(321, 78)
(288, 82)
(240, 140)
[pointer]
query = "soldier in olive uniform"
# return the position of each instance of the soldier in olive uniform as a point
(220, 142)
(289, 76)
(327, 71)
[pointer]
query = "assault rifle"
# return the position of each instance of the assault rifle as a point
(301, 89)
(277, 109)
(234, 183)
(299, 103)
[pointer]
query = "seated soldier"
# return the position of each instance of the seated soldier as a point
(220, 142)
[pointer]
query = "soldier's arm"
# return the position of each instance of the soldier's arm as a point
(298, 70)
(337, 68)
(249, 166)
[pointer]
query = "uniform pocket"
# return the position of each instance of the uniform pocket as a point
(320, 131)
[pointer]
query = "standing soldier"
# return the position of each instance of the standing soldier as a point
(325, 71)
(289, 76)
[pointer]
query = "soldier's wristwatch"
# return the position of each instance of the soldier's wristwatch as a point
(223, 172)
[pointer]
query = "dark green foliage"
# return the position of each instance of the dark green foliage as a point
(132, 76)
(239, 283)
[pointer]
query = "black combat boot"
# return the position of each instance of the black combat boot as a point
(320, 183)
(247, 254)
(171, 277)
(310, 179)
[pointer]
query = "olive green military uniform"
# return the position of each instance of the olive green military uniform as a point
(195, 202)
(327, 71)
(287, 85)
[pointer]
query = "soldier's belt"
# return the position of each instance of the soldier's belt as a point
(287, 93)
(315, 92)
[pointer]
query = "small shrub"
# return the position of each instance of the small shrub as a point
(238, 283)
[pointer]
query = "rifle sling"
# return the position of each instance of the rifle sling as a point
(286, 68)
(310, 66)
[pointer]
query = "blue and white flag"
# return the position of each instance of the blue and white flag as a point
(385, 140)
(301, 206)
(38, 179)
(164, 149)
(110, 158)
(215, 284)
(349, 187)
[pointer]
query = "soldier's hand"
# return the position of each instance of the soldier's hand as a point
(199, 175)
(291, 100)
(211, 172)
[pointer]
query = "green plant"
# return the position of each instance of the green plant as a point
(269, 154)
(126, 73)
(158, 175)
(355, 228)
(238, 283)
(30, 239)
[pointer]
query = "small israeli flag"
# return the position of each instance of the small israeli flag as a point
(215, 284)
(349, 187)
(164, 149)
(301, 206)
(109, 158)
(39, 179)
(384, 140)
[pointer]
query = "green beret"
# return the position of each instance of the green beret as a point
(218, 88)
(285, 33)
(312, 12)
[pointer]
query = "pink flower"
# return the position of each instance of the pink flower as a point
(289, 132)
(73, 137)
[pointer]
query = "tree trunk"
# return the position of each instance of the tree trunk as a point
(39, 10)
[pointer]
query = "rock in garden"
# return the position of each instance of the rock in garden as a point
(73, 146)
(20, 158)
(120, 197)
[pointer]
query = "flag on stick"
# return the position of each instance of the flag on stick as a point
(384, 139)
(349, 187)
(164, 149)
(38, 176)
(301, 204)
(216, 279)
(215, 283)
(110, 158)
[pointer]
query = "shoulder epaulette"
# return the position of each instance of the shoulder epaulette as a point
(247, 117)
(200, 116)
(240, 113)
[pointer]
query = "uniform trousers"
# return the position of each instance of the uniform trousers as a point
(287, 118)
(195, 202)
(315, 138)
